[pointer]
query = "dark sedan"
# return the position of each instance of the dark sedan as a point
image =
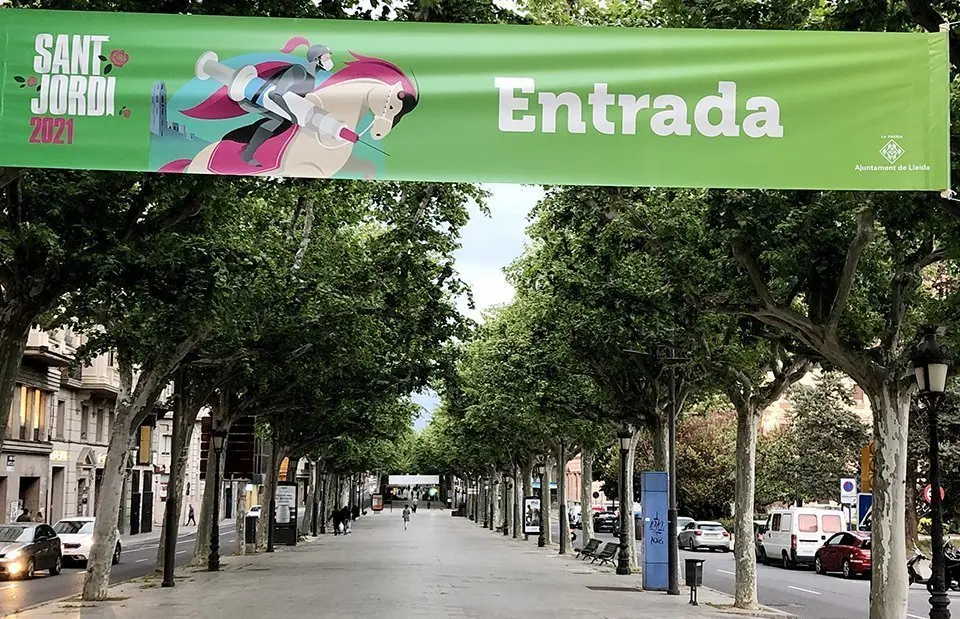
(28, 547)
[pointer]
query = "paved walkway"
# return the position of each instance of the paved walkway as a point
(441, 567)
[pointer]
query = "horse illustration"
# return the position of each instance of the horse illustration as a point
(364, 85)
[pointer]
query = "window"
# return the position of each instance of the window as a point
(807, 523)
(835, 540)
(786, 524)
(100, 417)
(84, 421)
(711, 526)
(691, 526)
(165, 447)
(188, 488)
(776, 523)
(832, 523)
(110, 359)
(111, 420)
(61, 418)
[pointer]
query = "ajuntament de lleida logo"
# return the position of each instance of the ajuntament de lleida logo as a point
(73, 76)
(892, 151)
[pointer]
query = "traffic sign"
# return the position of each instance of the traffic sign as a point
(848, 490)
(928, 493)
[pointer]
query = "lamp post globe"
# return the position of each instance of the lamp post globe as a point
(931, 362)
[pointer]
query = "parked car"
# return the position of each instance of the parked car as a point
(682, 522)
(794, 535)
(759, 529)
(704, 534)
(847, 553)
(604, 520)
(28, 547)
(76, 538)
(637, 517)
(254, 511)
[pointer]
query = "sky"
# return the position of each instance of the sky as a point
(488, 244)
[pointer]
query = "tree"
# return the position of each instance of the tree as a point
(828, 437)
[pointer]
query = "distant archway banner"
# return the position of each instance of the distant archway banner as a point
(478, 103)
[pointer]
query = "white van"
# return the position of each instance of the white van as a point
(794, 535)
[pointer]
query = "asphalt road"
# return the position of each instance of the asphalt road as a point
(135, 561)
(800, 591)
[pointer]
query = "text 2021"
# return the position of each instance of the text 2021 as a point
(51, 130)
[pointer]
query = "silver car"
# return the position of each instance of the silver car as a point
(704, 534)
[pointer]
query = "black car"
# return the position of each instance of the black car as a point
(605, 520)
(27, 547)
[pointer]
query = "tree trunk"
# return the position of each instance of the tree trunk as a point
(201, 547)
(586, 495)
(912, 524)
(269, 492)
(562, 497)
(888, 593)
(660, 435)
(545, 507)
(527, 472)
(132, 405)
(181, 446)
(518, 502)
(509, 496)
(744, 548)
(241, 523)
(13, 339)
(631, 529)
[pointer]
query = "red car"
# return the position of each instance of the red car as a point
(847, 552)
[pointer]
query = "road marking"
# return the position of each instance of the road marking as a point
(181, 552)
(726, 572)
(8, 586)
(915, 616)
(232, 539)
(804, 590)
(141, 560)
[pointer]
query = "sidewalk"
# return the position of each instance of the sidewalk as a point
(441, 567)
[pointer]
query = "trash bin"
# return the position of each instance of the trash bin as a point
(694, 572)
(250, 530)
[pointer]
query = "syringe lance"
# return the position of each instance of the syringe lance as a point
(245, 85)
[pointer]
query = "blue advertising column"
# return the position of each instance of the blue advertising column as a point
(654, 503)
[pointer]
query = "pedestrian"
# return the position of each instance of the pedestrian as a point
(415, 501)
(345, 518)
(191, 520)
(39, 517)
(337, 521)
(406, 516)
(25, 516)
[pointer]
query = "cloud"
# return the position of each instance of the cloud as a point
(488, 244)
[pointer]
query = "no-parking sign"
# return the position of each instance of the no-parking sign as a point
(848, 490)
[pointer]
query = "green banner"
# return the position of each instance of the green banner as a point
(487, 103)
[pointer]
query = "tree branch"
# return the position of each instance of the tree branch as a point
(929, 19)
(742, 254)
(865, 229)
(305, 241)
(8, 175)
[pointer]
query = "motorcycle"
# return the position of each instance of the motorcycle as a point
(951, 568)
(913, 569)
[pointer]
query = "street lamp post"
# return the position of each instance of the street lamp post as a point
(623, 559)
(218, 435)
(541, 470)
(930, 363)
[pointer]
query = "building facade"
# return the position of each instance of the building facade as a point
(58, 431)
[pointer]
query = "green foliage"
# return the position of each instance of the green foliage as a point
(822, 444)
